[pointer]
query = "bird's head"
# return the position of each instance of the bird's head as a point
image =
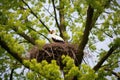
(52, 32)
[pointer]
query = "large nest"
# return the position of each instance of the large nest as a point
(54, 51)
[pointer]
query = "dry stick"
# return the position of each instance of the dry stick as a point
(52, 51)
(35, 15)
(47, 53)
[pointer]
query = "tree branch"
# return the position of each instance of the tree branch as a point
(35, 15)
(62, 27)
(40, 33)
(104, 32)
(87, 30)
(104, 58)
(114, 73)
(55, 15)
(111, 64)
(29, 39)
(11, 74)
(90, 22)
(17, 56)
(48, 12)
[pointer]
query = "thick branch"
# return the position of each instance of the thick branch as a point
(35, 15)
(14, 54)
(104, 58)
(55, 15)
(90, 22)
(87, 30)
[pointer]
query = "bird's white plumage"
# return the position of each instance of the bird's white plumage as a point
(55, 37)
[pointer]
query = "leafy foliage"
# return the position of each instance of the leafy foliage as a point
(25, 23)
(45, 70)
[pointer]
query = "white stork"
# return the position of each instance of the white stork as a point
(55, 37)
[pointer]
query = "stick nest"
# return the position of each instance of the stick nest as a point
(54, 51)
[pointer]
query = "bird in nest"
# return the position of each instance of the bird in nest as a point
(55, 37)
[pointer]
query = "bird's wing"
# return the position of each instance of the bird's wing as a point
(57, 37)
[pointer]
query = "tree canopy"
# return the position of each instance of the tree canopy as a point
(92, 25)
